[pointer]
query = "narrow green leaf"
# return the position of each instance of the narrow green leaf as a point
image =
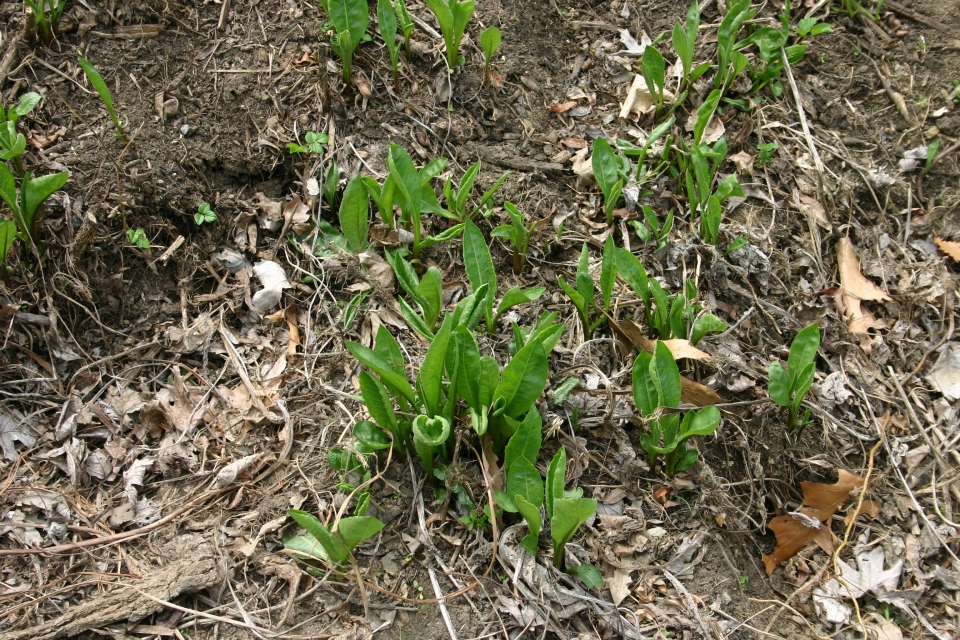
(524, 480)
(379, 404)
(605, 166)
(522, 380)
(803, 351)
(632, 271)
(8, 233)
(556, 477)
(525, 442)
(430, 379)
(383, 368)
(355, 215)
(478, 264)
(608, 271)
(645, 394)
(469, 362)
(516, 296)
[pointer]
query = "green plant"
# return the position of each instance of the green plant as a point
(12, 142)
(352, 308)
(932, 148)
(349, 19)
(387, 21)
(138, 238)
(610, 171)
(314, 140)
(653, 69)
(812, 27)
(770, 42)
(765, 148)
(204, 214)
(650, 230)
(456, 197)
(853, 8)
(566, 510)
(657, 387)
(481, 272)
(98, 83)
(355, 215)
(405, 23)
(26, 204)
(730, 61)
(47, 17)
(490, 41)
(517, 234)
(453, 17)
(644, 172)
(427, 293)
(331, 546)
(583, 296)
(787, 388)
(331, 184)
(684, 43)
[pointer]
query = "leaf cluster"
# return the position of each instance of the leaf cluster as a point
(453, 17)
(47, 17)
(583, 295)
(788, 387)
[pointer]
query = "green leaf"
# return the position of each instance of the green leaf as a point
(34, 192)
(379, 405)
(489, 380)
(350, 18)
(779, 384)
(705, 324)
(490, 41)
(370, 437)
(606, 167)
(335, 550)
(416, 322)
(530, 513)
(386, 346)
(632, 271)
(704, 113)
(584, 280)
(556, 477)
(568, 515)
(305, 547)
(8, 191)
(700, 423)
(666, 376)
(589, 574)
(431, 291)
(515, 296)
(802, 383)
(355, 215)
(645, 394)
(432, 432)
(405, 177)
(710, 220)
(522, 380)
(430, 379)
(97, 81)
(524, 480)
(383, 368)
(26, 104)
(803, 351)
(653, 69)
(353, 531)
(525, 442)
(608, 272)
(468, 360)
(8, 233)
(479, 265)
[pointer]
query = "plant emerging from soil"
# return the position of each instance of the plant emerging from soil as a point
(104, 92)
(387, 22)
(204, 215)
(788, 387)
(12, 142)
(47, 17)
(348, 20)
(26, 201)
(518, 234)
(490, 41)
(453, 17)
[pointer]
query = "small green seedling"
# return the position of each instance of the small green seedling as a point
(456, 197)
(583, 296)
(765, 148)
(812, 27)
(731, 61)
(481, 272)
(653, 69)
(518, 234)
(405, 23)
(12, 142)
(47, 17)
(650, 230)
(426, 292)
(787, 388)
(98, 83)
(204, 214)
(387, 21)
(27, 203)
(331, 184)
(684, 43)
(333, 547)
(355, 215)
(352, 308)
(138, 238)
(453, 17)
(350, 19)
(657, 386)
(524, 486)
(567, 510)
(610, 171)
(314, 140)
(490, 41)
(932, 149)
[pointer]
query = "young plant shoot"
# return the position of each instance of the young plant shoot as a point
(517, 234)
(787, 388)
(12, 142)
(98, 83)
(610, 171)
(204, 215)
(47, 17)
(453, 17)
(350, 19)
(490, 41)
(387, 21)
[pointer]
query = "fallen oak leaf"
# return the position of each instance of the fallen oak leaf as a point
(952, 249)
(820, 502)
(855, 288)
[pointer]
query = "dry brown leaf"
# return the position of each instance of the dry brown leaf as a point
(820, 502)
(565, 106)
(634, 334)
(855, 288)
(811, 208)
(952, 249)
(697, 394)
(867, 508)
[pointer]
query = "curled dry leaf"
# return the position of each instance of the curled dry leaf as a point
(952, 249)
(289, 314)
(812, 209)
(565, 106)
(274, 281)
(855, 288)
(820, 502)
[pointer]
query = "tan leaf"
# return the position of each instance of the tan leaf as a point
(565, 106)
(867, 508)
(952, 249)
(820, 502)
(811, 208)
(855, 288)
(697, 394)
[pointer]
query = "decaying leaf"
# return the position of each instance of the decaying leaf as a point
(12, 431)
(274, 281)
(812, 209)
(639, 100)
(945, 374)
(634, 334)
(952, 249)
(289, 314)
(820, 502)
(855, 288)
